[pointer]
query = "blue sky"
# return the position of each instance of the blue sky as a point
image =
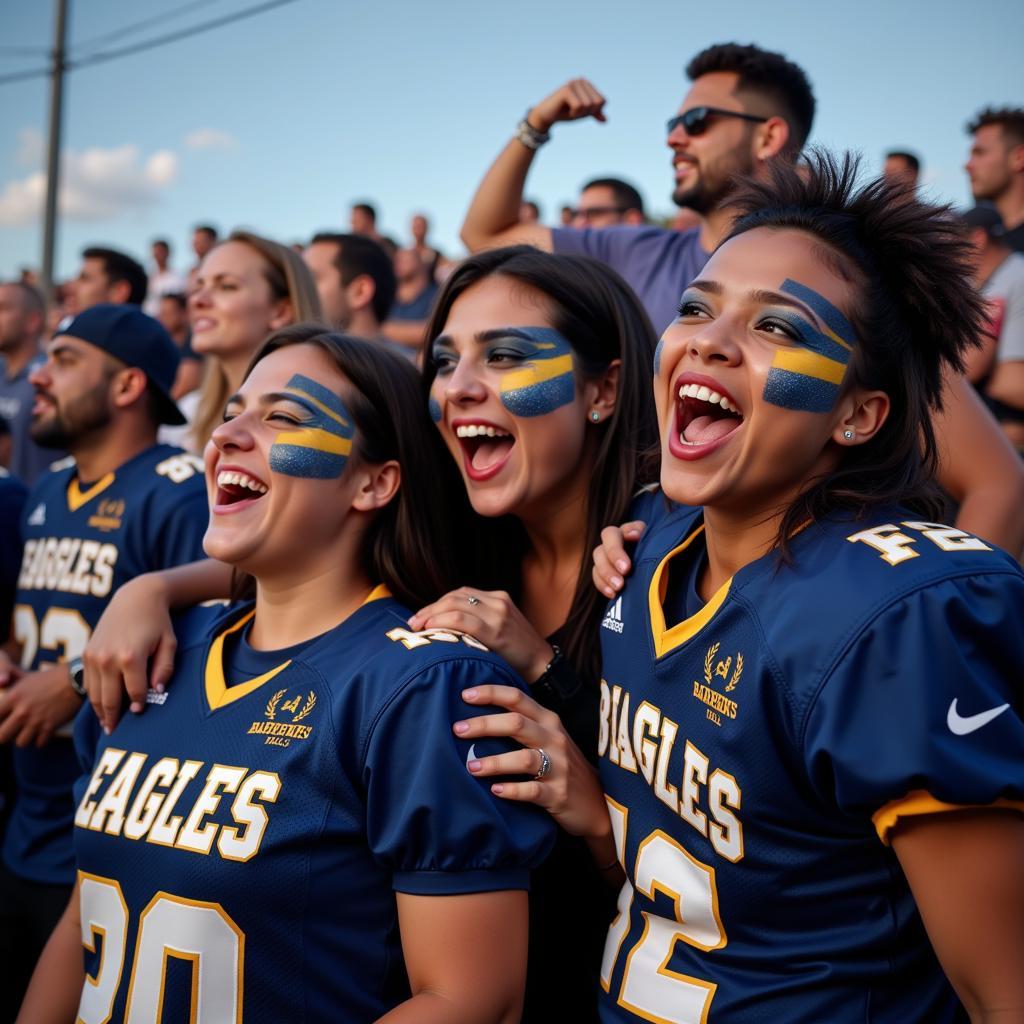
(279, 122)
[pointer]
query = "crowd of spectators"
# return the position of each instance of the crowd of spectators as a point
(237, 287)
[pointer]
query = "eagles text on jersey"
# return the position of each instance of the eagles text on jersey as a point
(756, 755)
(240, 845)
(80, 545)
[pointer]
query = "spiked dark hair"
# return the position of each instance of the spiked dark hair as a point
(915, 315)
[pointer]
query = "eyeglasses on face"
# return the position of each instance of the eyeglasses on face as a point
(589, 212)
(695, 120)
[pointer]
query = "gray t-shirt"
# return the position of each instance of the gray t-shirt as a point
(1004, 291)
(657, 263)
(28, 460)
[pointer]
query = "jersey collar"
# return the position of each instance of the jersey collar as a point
(77, 497)
(218, 692)
(666, 640)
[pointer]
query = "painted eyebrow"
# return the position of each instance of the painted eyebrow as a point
(493, 334)
(764, 298)
(270, 398)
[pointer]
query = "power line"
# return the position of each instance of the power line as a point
(19, 76)
(149, 44)
(119, 33)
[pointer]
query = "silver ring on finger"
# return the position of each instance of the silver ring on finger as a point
(472, 600)
(545, 764)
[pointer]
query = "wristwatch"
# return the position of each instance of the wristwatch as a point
(76, 666)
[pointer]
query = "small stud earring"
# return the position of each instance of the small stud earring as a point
(848, 434)
(595, 416)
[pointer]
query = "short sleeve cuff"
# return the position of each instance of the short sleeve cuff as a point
(457, 883)
(921, 802)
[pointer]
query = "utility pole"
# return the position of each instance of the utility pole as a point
(53, 154)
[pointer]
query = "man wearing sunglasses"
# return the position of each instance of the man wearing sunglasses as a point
(745, 106)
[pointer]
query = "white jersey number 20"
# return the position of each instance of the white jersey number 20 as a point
(169, 927)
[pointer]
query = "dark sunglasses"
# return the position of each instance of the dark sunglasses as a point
(695, 120)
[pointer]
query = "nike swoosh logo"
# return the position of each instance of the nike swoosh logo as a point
(961, 726)
(471, 756)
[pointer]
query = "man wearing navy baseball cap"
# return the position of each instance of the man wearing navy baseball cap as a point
(123, 505)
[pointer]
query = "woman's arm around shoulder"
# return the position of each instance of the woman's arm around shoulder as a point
(133, 645)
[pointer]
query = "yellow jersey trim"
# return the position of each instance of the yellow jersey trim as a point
(669, 639)
(77, 497)
(920, 801)
(218, 693)
(378, 593)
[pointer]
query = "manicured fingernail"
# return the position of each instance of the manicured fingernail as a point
(473, 766)
(468, 694)
(461, 727)
(497, 789)
(622, 565)
(106, 729)
(616, 582)
(414, 623)
(160, 687)
(136, 706)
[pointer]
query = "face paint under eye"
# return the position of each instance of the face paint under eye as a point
(657, 356)
(545, 381)
(434, 408)
(320, 447)
(808, 378)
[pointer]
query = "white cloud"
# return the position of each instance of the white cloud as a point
(209, 138)
(96, 184)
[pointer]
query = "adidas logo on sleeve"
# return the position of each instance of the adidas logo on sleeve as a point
(613, 617)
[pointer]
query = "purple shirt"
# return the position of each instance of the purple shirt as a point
(656, 262)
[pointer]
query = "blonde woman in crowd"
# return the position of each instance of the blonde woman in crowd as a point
(245, 288)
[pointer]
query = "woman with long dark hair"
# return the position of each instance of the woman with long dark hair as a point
(538, 379)
(291, 831)
(537, 376)
(811, 734)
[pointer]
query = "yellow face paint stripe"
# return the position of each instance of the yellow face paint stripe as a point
(542, 370)
(314, 437)
(810, 364)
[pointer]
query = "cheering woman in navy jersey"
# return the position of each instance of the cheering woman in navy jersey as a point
(811, 734)
(538, 378)
(290, 832)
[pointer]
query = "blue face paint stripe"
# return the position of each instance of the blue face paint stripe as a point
(810, 338)
(544, 381)
(324, 396)
(657, 356)
(293, 460)
(799, 392)
(434, 408)
(540, 399)
(319, 448)
(823, 309)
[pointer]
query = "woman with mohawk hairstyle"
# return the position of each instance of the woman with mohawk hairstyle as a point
(811, 737)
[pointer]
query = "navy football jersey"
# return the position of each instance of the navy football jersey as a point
(756, 755)
(80, 546)
(240, 844)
